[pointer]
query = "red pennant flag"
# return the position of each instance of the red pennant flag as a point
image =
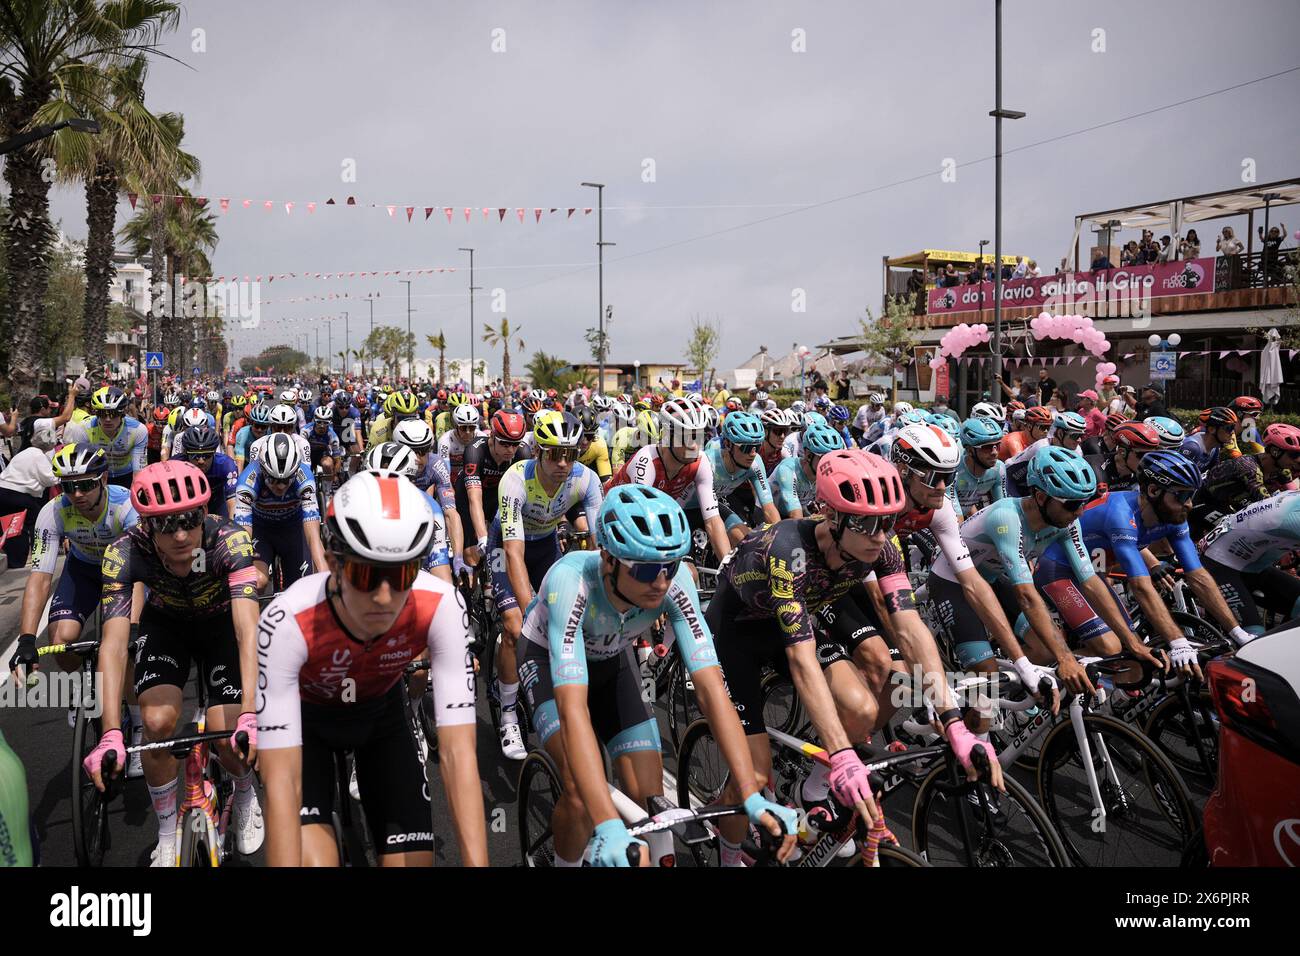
(270, 278)
(202, 201)
(133, 197)
(519, 211)
(428, 211)
(268, 205)
(447, 211)
(467, 212)
(486, 210)
(586, 210)
(572, 209)
(410, 211)
(501, 215)
(247, 203)
(156, 199)
(537, 214)
(352, 200)
(391, 210)
(311, 207)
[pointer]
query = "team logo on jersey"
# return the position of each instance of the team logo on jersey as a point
(113, 561)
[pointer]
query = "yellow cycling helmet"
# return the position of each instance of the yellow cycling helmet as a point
(648, 426)
(174, 418)
(400, 403)
(557, 429)
(457, 399)
(108, 399)
(81, 460)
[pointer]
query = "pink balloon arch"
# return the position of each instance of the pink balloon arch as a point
(1074, 328)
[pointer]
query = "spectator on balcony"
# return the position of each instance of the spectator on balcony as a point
(1231, 248)
(916, 291)
(1100, 260)
(1190, 248)
(1167, 250)
(976, 273)
(950, 277)
(1272, 263)
(988, 272)
(1130, 255)
(1021, 269)
(1033, 272)
(1008, 270)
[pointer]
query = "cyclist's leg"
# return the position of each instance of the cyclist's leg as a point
(263, 554)
(162, 667)
(1237, 594)
(394, 788)
(316, 815)
(75, 598)
(1281, 591)
(970, 638)
(623, 721)
(1084, 628)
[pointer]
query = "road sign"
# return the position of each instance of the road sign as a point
(153, 361)
(1164, 365)
(196, 370)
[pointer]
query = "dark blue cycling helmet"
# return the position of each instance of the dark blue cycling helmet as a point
(838, 413)
(1170, 469)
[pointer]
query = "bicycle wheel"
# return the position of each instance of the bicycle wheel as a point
(780, 703)
(702, 774)
(1148, 813)
(90, 838)
(194, 850)
(682, 707)
(538, 792)
(892, 855)
(1176, 734)
(1008, 829)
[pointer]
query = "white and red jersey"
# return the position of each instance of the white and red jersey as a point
(305, 653)
(691, 487)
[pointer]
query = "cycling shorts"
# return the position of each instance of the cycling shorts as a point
(168, 645)
(1279, 592)
(539, 555)
(390, 776)
(78, 592)
(965, 630)
(1081, 621)
(619, 714)
(285, 540)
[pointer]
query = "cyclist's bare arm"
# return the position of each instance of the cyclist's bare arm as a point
(979, 595)
(517, 572)
(717, 532)
(815, 695)
(35, 594)
(281, 773)
(582, 752)
(460, 778)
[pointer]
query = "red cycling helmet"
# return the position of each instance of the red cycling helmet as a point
(1015, 406)
(1219, 417)
(1138, 436)
(857, 482)
(1247, 405)
(1115, 419)
(161, 413)
(1038, 415)
(168, 488)
(1284, 437)
(508, 426)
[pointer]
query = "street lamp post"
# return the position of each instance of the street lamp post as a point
(999, 114)
(76, 123)
(410, 343)
(980, 373)
(345, 345)
(371, 299)
(600, 277)
(636, 371)
(472, 289)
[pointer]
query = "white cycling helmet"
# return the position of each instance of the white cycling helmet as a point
(711, 416)
(901, 407)
(601, 403)
(193, 417)
(795, 418)
(989, 410)
(391, 458)
(760, 396)
(926, 447)
(1069, 423)
(323, 414)
(624, 415)
(381, 518)
(414, 434)
(289, 395)
(678, 419)
(280, 457)
(798, 406)
(876, 398)
(213, 396)
(774, 418)
(465, 416)
(538, 395)
(283, 415)
(306, 396)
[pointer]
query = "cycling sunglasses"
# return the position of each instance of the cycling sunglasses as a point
(284, 429)
(560, 454)
(931, 477)
(772, 429)
(256, 427)
(199, 458)
(746, 449)
(85, 485)
(112, 416)
(870, 524)
(169, 524)
(368, 577)
(1073, 506)
(1181, 495)
(647, 572)
(505, 442)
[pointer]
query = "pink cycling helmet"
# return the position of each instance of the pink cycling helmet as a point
(1283, 437)
(168, 488)
(856, 482)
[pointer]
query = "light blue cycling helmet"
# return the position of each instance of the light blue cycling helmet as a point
(945, 422)
(642, 523)
(976, 432)
(821, 440)
(1071, 423)
(742, 428)
(261, 414)
(1170, 432)
(814, 418)
(1061, 474)
(910, 417)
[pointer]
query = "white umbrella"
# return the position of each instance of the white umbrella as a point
(1270, 368)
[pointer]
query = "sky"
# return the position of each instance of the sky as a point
(756, 155)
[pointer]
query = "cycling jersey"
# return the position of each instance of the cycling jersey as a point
(346, 425)
(596, 457)
(528, 513)
(779, 573)
(726, 481)
(221, 571)
(127, 450)
(1114, 524)
(435, 480)
(481, 471)
(87, 538)
(1257, 536)
(322, 444)
(626, 442)
(1193, 448)
(977, 491)
(791, 488)
(792, 447)
(944, 523)
(381, 429)
(442, 424)
(15, 832)
(771, 457)
(305, 654)
(173, 441)
(452, 450)
(1012, 444)
(692, 483)
(223, 479)
(1000, 543)
(243, 439)
(255, 500)
(571, 616)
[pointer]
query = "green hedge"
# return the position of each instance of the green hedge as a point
(1191, 417)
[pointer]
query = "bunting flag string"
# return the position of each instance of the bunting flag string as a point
(272, 276)
(289, 205)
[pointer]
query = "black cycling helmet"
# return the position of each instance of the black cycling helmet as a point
(199, 439)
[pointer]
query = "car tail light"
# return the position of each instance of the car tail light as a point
(1257, 704)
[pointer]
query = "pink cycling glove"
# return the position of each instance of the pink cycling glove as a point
(849, 778)
(112, 740)
(248, 724)
(963, 741)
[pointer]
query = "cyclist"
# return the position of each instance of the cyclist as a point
(397, 407)
(346, 422)
(675, 465)
(17, 835)
(200, 447)
(465, 428)
(486, 460)
(980, 477)
(1132, 440)
(1242, 552)
(628, 441)
(214, 406)
(535, 495)
(125, 441)
(1169, 430)
(190, 418)
(1122, 526)
(1066, 431)
(323, 443)
(794, 483)
(200, 606)
(869, 412)
(1217, 439)
(276, 503)
(1280, 461)
(764, 614)
(1034, 426)
(392, 458)
(284, 421)
(315, 642)
(154, 430)
(592, 450)
(588, 695)
(777, 427)
(739, 479)
(235, 407)
(444, 421)
(1248, 408)
(259, 424)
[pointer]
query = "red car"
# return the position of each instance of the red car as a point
(1253, 816)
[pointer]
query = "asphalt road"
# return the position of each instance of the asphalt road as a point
(42, 738)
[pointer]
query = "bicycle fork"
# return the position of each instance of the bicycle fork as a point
(1089, 769)
(199, 801)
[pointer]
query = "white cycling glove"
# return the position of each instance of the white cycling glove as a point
(1031, 674)
(1182, 653)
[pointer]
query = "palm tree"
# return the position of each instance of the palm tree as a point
(191, 234)
(44, 45)
(506, 337)
(439, 342)
(545, 371)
